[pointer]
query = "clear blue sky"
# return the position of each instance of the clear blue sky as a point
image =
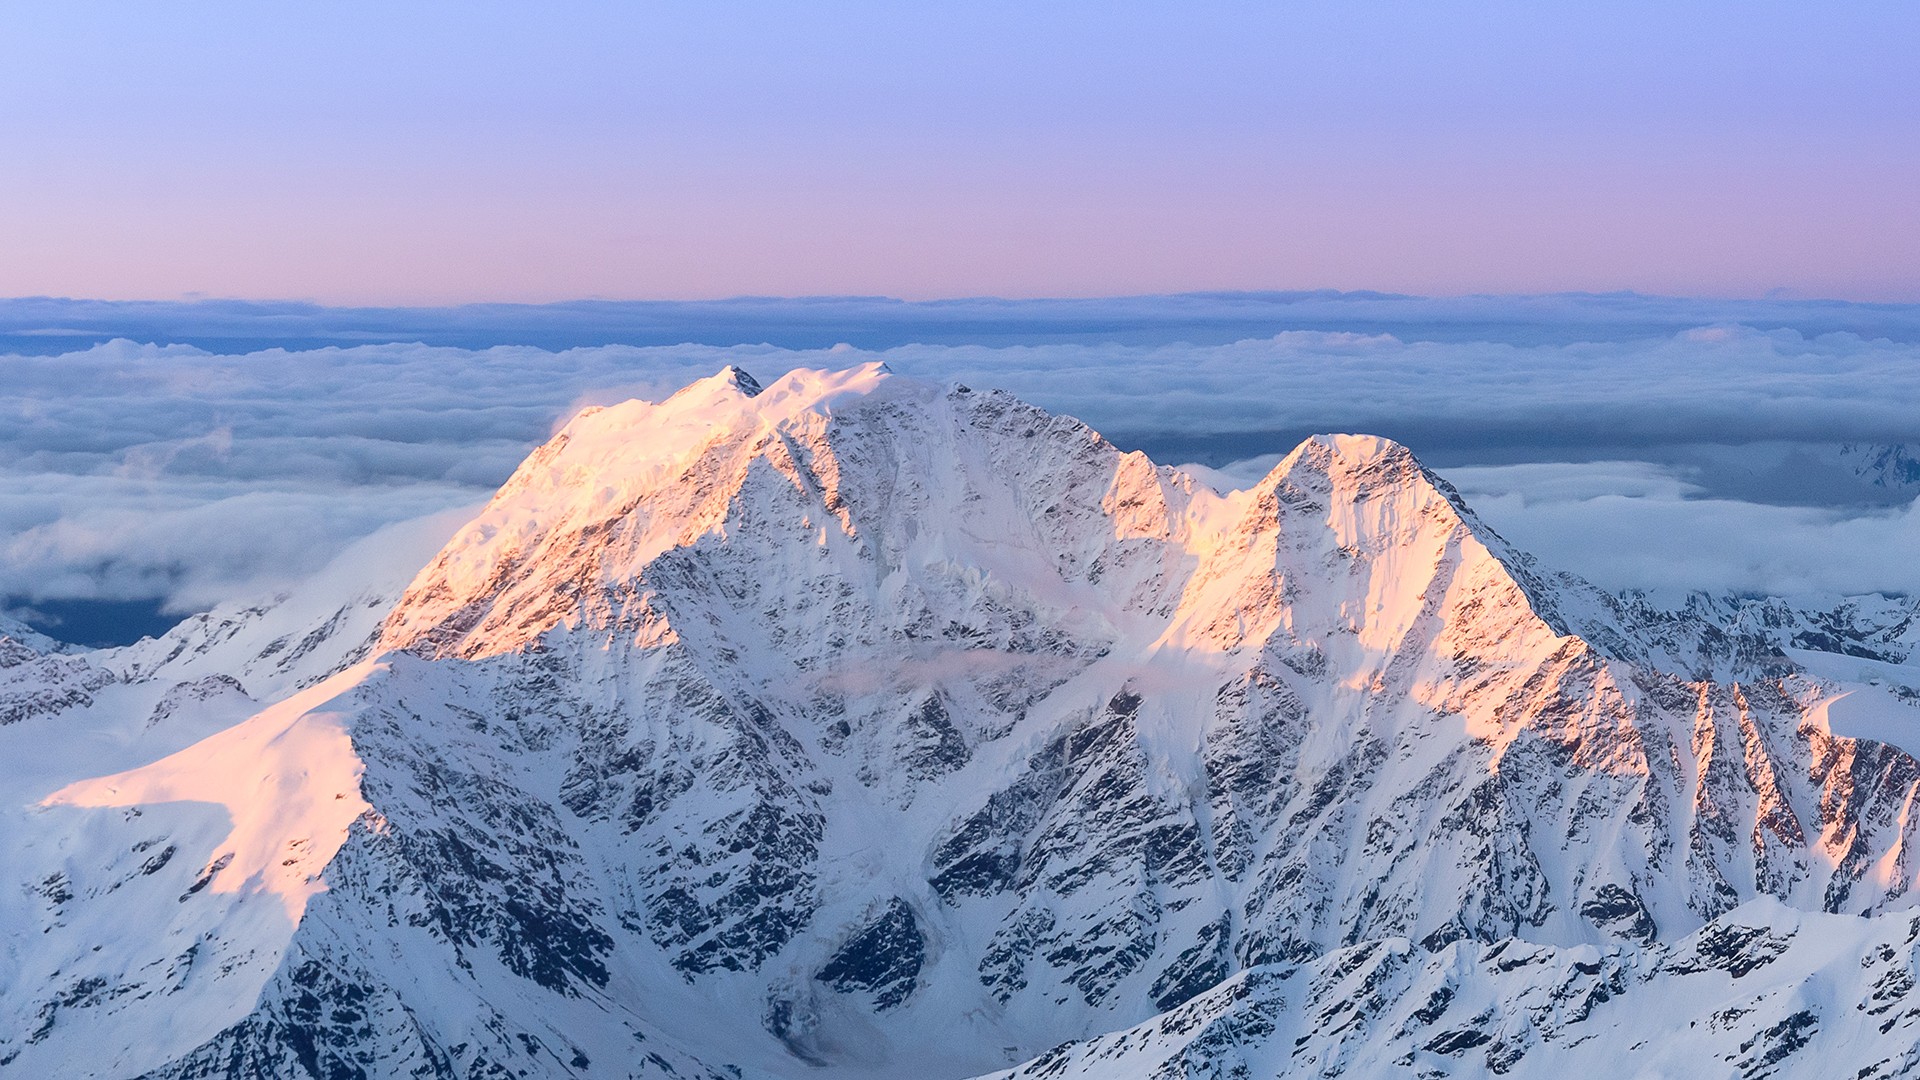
(428, 153)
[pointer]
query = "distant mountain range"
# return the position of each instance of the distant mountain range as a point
(856, 726)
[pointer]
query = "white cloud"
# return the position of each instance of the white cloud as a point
(1638, 525)
(1537, 483)
(193, 542)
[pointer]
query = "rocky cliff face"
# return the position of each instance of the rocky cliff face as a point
(853, 725)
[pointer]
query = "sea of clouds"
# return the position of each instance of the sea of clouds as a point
(1640, 442)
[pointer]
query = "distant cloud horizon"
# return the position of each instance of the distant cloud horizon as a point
(49, 324)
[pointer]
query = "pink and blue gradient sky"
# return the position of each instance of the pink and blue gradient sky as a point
(426, 153)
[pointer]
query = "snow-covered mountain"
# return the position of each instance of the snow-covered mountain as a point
(856, 727)
(1890, 466)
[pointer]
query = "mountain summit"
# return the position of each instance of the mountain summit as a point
(854, 725)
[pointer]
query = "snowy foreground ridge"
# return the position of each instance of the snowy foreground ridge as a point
(862, 727)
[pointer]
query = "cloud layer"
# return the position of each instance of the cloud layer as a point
(136, 471)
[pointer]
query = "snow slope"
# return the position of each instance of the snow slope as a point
(853, 726)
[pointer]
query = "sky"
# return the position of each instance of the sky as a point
(435, 153)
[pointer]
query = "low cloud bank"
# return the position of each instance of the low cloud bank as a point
(136, 471)
(1639, 525)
